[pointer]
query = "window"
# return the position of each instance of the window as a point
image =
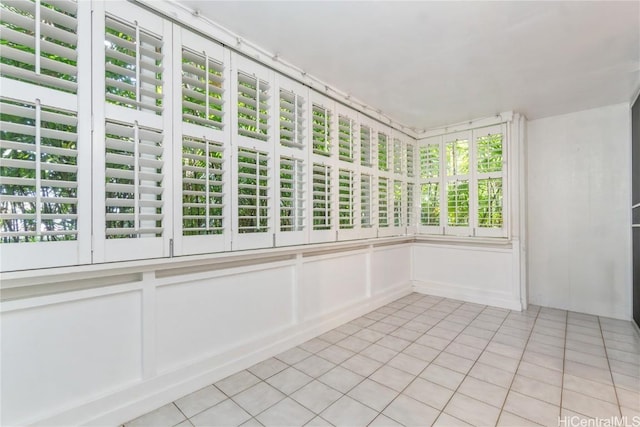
(346, 138)
(461, 180)
(398, 218)
(383, 202)
(397, 156)
(410, 153)
(202, 89)
(409, 207)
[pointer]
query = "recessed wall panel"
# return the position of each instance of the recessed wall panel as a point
(390, 267)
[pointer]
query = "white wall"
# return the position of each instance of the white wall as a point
(578, 209)
(105, 355)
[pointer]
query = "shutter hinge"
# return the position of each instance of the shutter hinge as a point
(274, 240)
(170, 248)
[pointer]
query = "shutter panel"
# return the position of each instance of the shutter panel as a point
(366, 146)
(202, 89)
(410, 207)
(383, 202)
(489, 161)
(253, 191)
(346, 199)
(133, 66)
(346, 138)
(292, 217)
(321, 197)
(366, 201)
(321, 130)
(253, 107)
(457, 175)
(202, 187)
(430, 204)
(39, 173)
(410, 160)
(397, 156)
(383, 152)
(39, 42)
(292, 131)
(398, 204)
(430, 186)
(134, 181)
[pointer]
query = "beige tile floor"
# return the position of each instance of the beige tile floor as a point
(424, 360)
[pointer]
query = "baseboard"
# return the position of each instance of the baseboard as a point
(142, 397)
(478, 296)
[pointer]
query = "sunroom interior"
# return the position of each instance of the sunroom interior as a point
(318, 213)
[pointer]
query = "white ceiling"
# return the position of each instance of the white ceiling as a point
(429, 64)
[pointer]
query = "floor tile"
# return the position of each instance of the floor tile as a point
(421, 352)
(314, 366)
(442, 376)
(532, 409)
(258, 398)
(348, 329)
(499, 361)
(318, 421)
(226, 413)
(392, 377)
(394, 343)
(628, 398)
(165, 416)
(446, 420)
(471, 410)
(341, 379)
(590, 388)
(289, 380)
(333, 336)
(373, 394)
(453, 362)
(462, 350)
(589, 406)
(293, 355)
(200, 400)
(379, 353)
(540, 373)
(251, 423)
(314, 345)
(430, 393)
(287, 412)
(385, 328)
(508, 419)
(316, 396)
(505, 350)
(354, 344)
(361, 365)
(483, 391)
(410, 412)
(369, 335)
(267, 368)
(543, 360)
(433, 342)
(406, 334)
(471, 341)
(586, 371)
(236, 383)
(384, 421)
(408, 363)
(537, 389)
(348, 412)
(335, 354)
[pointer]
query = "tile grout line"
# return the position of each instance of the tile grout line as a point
(613, 384)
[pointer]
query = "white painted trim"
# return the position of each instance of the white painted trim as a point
(446, 290)
(123, 405)
(503, 117)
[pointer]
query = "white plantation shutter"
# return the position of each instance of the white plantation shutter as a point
(253, 192)
(366, 201)
(346, 138)
(201, 149)
(397, 156)
(457, 180)
(398, 204)
(490, 167)
(134, 65)
(383, 152)
(321, 130)
(383, 202)
(292, 113)
(39, 41)
(39, 173)
(346, 199)
(292, 207)
(253, 106)
(135, 205)
(202, 89)
(134, 181)
(431, 199)
(410, 162)
(203, 187)
(366, 145)
(321, 185)
(410, 221)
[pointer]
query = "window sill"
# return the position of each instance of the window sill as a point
(482, 242)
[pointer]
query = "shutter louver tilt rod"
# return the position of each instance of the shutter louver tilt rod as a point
(206, 110)
(38, 165)
(137, 67)
(257, 190)
(136, 185)
(38, 25)
(206, 168)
